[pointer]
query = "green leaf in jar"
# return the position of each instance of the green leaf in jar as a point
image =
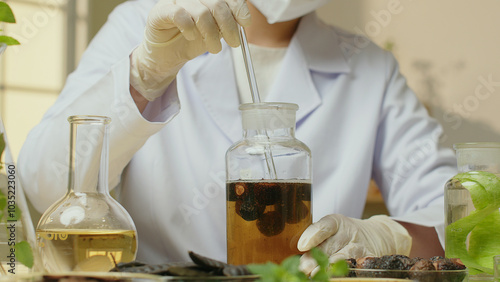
(483, 243)
(484, 188)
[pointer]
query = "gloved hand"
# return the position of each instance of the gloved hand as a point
(342, 237)
(178, 31)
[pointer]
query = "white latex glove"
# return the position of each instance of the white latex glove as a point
(178, 31)
(342, 237)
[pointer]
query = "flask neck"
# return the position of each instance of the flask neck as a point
(88, 161)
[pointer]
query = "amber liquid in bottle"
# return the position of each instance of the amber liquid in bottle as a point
(266, 219)
(85, 250)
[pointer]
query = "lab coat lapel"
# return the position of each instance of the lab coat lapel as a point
(215, 82)
(294, 84)
(314, 49)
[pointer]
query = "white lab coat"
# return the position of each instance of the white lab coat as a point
(356, 114)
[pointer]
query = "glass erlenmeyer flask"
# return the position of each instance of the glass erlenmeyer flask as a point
(86, 230)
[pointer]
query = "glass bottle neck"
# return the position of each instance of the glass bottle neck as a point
(88, 162)
(483, 156)
(285, 133)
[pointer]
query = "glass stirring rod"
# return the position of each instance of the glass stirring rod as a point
(256, 97)
(249, 66)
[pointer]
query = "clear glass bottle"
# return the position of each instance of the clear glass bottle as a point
(470, 232)
(268, 190)
(86, 230)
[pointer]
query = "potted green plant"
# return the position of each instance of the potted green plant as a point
(6, 16)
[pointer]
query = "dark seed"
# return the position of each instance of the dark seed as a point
(351, 263)
(422, 264)
(435, 258)
(368, 263)
(444, 264)
(271, 223)
(250, 209)
(392, 262)
(267, 193)
(458, 263)
(295, 212)
(237, 191)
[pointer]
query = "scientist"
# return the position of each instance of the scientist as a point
(356, 114)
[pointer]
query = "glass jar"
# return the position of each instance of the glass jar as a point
(472, 202)
(86, 230)
(268, 190)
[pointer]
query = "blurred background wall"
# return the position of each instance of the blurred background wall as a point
(53, 35)
(447, 49)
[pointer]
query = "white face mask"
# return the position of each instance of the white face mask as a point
(277, 11)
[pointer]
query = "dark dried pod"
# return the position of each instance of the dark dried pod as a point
(236, 270)
(190, 271)
(157, 269)
(123, 265)
(205, 262)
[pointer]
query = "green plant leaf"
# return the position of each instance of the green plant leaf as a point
(289, 270)
(320, 257)
(262, 269)
(8, 40)
(6, 14)
(291, 264)
(339, 269)
(24, 254)
(267, 272)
